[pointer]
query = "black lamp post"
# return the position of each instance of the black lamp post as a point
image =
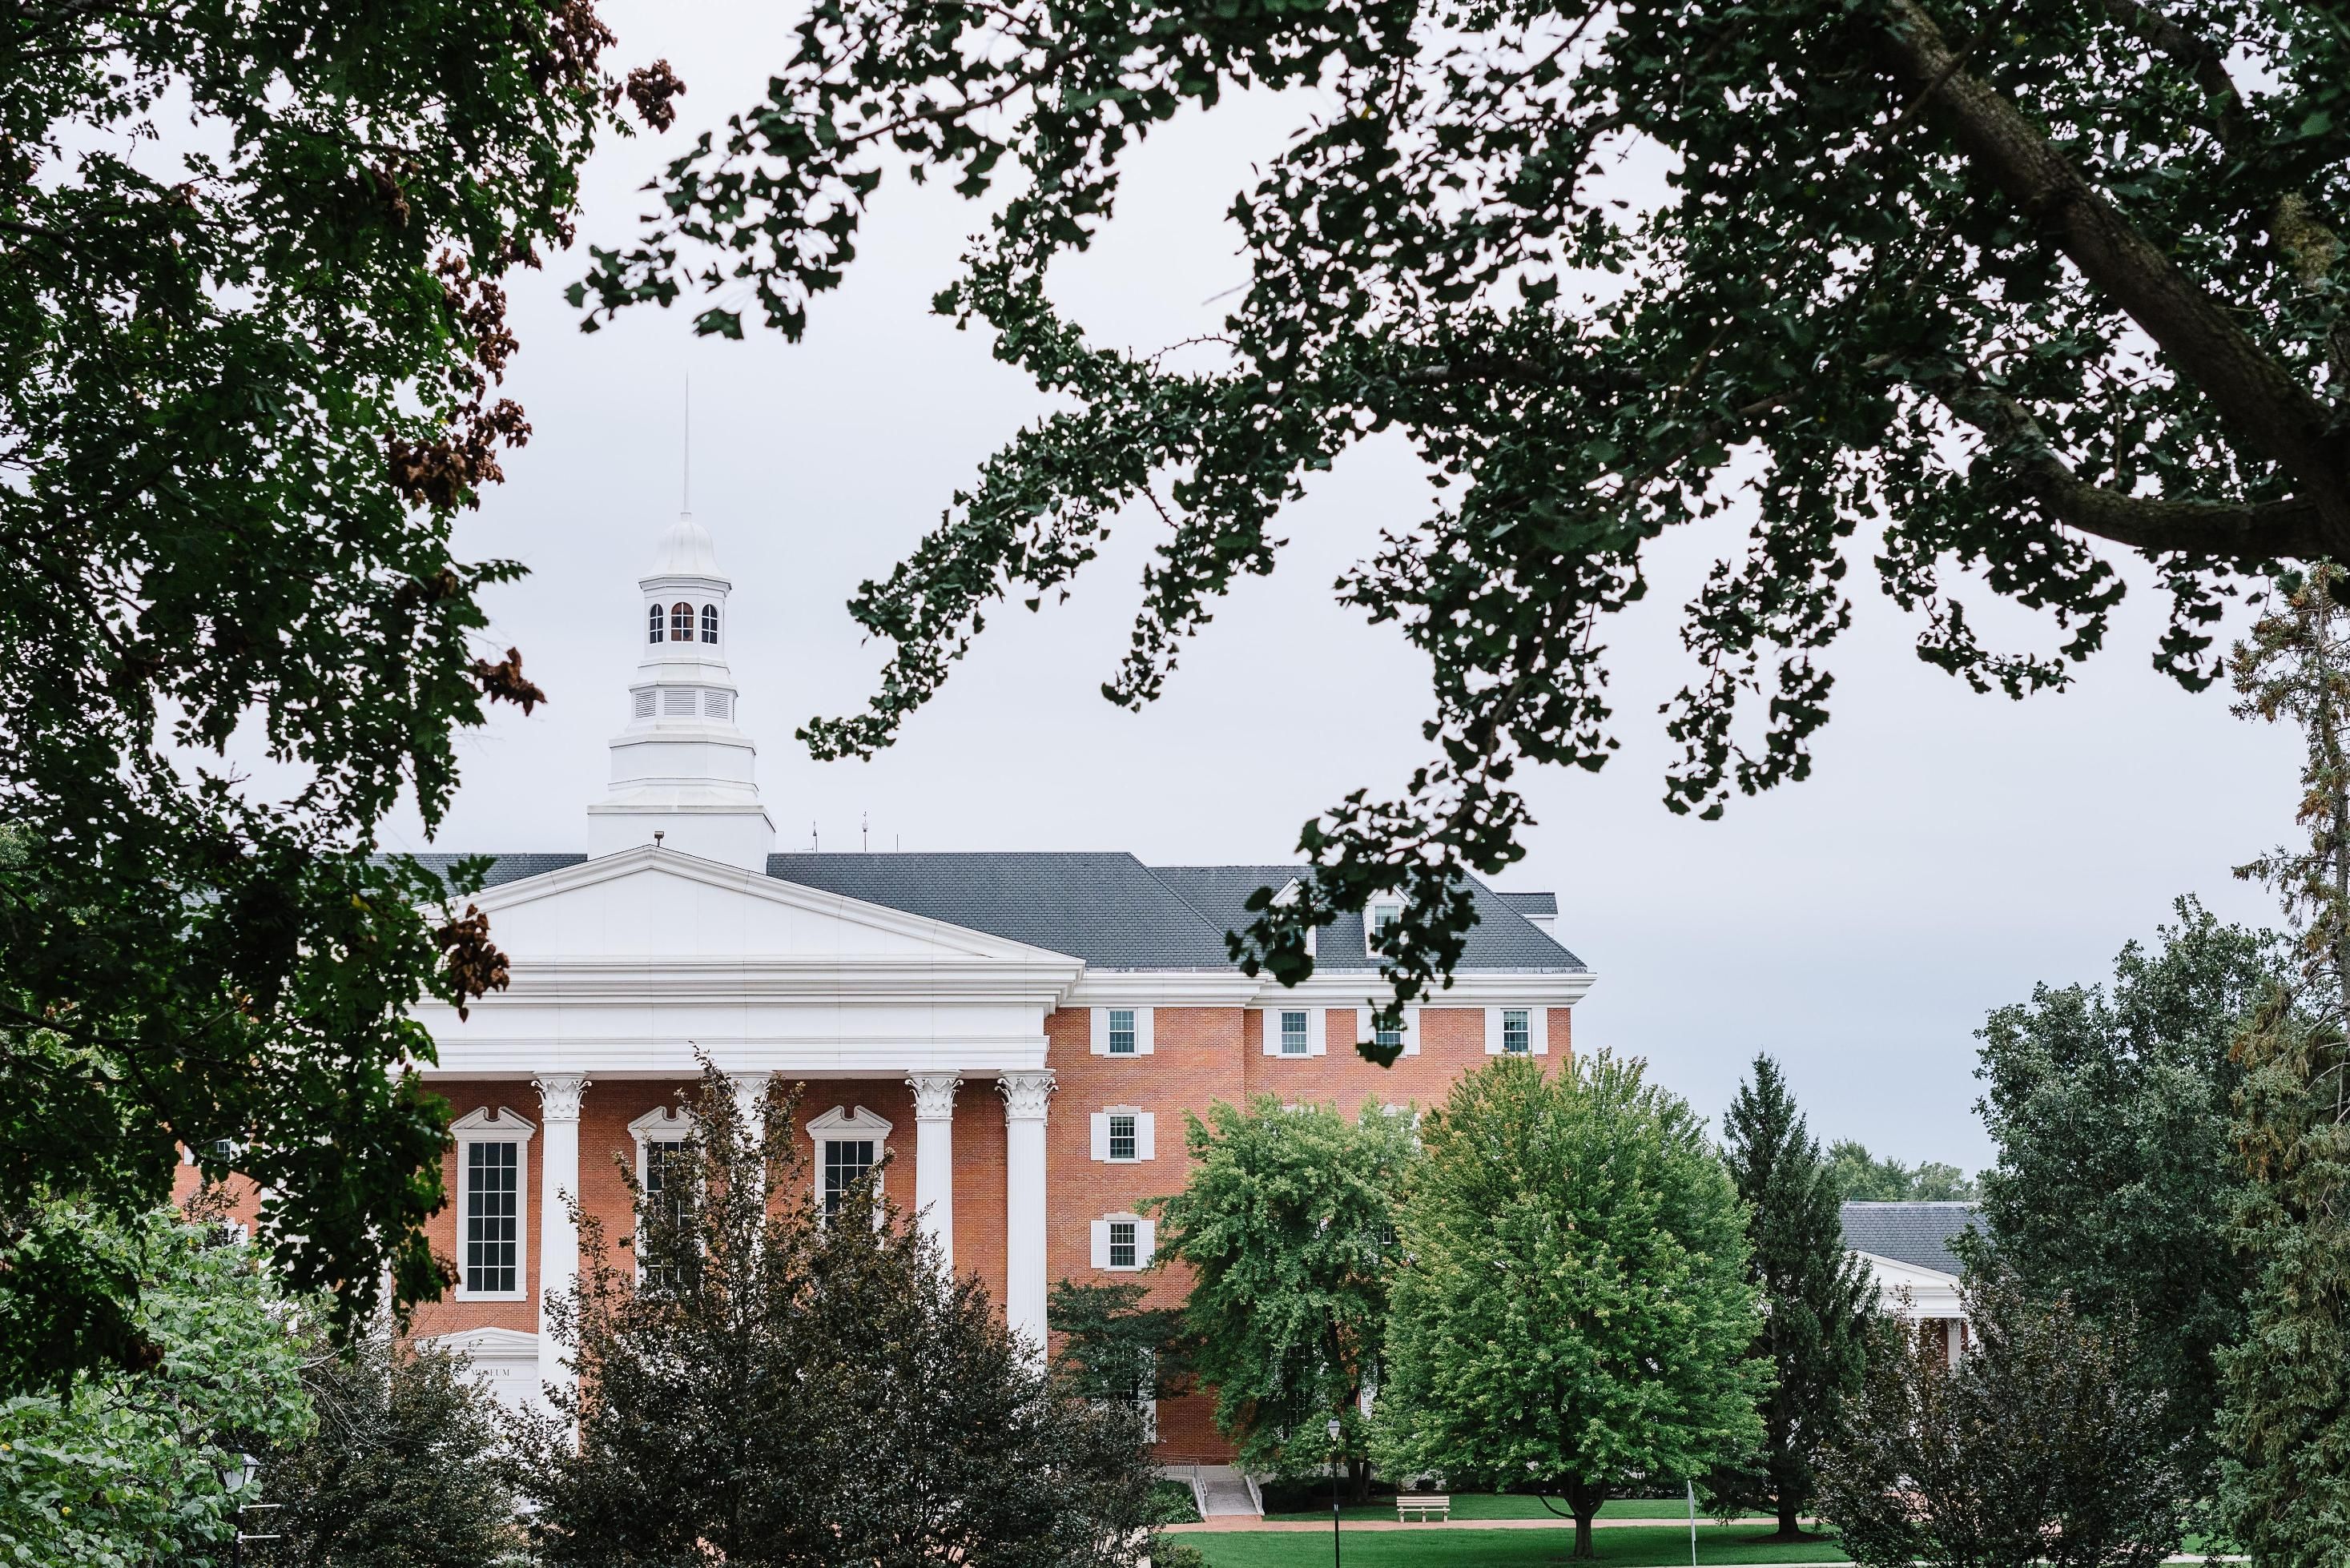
(1334, 1429)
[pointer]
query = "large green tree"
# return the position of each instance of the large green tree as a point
(2117, 1179)
(760, 1386)
(1287, 1225)
(252, 328)
(406, 1467)
(2041, 1446)
(2285, 1427)
(1818, 1300)
(1982, 294)
(150, 1466)
(1574, 1313)
(1864, 1178)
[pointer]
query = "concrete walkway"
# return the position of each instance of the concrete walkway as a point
(1323, 1525)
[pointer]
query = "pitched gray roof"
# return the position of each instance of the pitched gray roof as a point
(1501, 938)
(1108, 908)
(1530, 904)
(503, 868)
(1915, 1234)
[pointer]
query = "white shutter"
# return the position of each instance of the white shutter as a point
(1101, 1243)
(1271, 1017)
(1411, 1031)
(1144, 1237)
(1100, 1040)
(1101, 1135)
(1493, 1031)
(1146, 1136)
(1142, 1030)
(1538, 1031)
(1317, 1031)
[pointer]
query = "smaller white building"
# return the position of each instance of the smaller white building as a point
(1907, 1246)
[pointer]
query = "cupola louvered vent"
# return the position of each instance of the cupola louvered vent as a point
(677, 703)
(644, 704)
(716, 704)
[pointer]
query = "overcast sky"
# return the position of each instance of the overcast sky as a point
(1949, 851)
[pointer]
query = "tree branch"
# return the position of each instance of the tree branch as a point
(2270, 408)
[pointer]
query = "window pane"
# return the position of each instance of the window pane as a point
(1292, 1034)
(1515, 1037)
(1121, 1138)
(1121, 1032)
(652, 623)
(493, 1216)
(1121, 1245)
(681, 622)
(710, 623)
(846, 1164)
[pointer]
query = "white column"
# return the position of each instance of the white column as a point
(934, 1095)
(1024, 1096)
(750, 1097)
(559, 1187)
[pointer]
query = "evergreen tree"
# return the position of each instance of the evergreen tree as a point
(1574, 1313)
(405, 1470)
(2286, 1424)
(780, 1389)
(1817, 1298)
(1287, 1223)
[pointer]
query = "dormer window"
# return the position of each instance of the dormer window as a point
(681, 622)
(652, 623)
(1384, 918)
(710, 623)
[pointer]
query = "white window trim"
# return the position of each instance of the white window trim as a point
(1100, 1024)
(482, 1125)
(1371, 923)
(662, 1123)
(1538, 1029)
(1145, 1134)
(1411, 1028)
(853, 1124)
(1146, 1242)
(1318, 1034)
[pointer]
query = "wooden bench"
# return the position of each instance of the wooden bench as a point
(1418, 1505)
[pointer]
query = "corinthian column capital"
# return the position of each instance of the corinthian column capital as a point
(934, 1095)
(559, 1095)
(1024, 1095)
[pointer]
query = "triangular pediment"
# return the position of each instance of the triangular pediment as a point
(656, 903)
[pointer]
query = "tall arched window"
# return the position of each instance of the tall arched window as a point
(652, 623)
(681, 622)
(710, 623)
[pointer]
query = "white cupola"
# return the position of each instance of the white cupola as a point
(683, 768)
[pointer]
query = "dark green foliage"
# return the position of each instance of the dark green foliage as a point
(2116, 1182)
(1114, 1348)
(2043, 1445)
(1575, 1314)
(406, 1468)
(247, 378)
(2285, 1428)
(1818, 1300)
(785, 1391)
(1287, 1223)
(1977, 293)
(1862, 1178)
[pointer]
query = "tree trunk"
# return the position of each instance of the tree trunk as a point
(1358, 1481)
(1791, 1513)
(1583, 1500)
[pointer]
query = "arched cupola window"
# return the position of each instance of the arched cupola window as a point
(681, 622)
(710, 623)
(653, 623)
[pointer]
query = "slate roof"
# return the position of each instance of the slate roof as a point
(1530, 904)
(503, 868)
(1108, 908)
(1917, 1233)
(1502, 939)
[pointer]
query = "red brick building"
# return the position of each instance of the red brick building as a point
(1020, 1035)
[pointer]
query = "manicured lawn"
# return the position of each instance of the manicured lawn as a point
(1436, 1548)
(1483, 1505)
